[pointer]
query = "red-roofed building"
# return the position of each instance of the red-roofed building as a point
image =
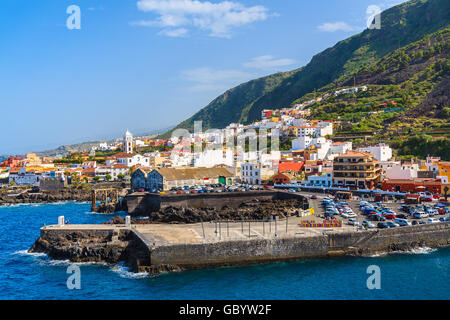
(290, 166)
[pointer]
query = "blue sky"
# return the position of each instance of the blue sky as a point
(147, 64)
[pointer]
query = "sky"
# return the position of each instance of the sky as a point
(145, 65)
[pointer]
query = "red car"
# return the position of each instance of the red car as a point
(313, 197)
(266, 187)
(426, 199)
(436, 196)
(389, 216)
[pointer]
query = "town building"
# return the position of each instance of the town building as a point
(167, 178)
(24, 177)
(131, 159)
(324, 180)
(382, 152)
(413, 185)
(356, 170)
(250, 173)
(283, 178)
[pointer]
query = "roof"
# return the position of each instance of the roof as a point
(120, 166)
(415, 181)
(290, 166)
(194, 173)
(124, 155)
(352, 154)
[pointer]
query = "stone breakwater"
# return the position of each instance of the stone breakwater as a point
(113, 244)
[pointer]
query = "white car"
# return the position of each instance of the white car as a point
(432, 220)
(353, 222)
(345, 215)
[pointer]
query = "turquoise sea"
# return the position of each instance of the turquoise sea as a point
(421, 274)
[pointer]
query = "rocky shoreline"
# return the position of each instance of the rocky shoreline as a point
(28, 196)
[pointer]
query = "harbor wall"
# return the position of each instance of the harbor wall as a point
(355, 243)
(140, 204)
(127, 244)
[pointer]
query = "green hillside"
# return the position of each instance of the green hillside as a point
(400, 26)
(417, 78)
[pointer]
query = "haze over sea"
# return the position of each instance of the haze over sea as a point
(422, 274)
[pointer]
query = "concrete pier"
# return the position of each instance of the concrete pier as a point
(155, 248)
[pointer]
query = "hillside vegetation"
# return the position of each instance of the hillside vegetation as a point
(406, 61)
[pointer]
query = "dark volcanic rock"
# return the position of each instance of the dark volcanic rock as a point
(251, 210)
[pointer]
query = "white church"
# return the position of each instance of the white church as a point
(128, 157)
(128, 142)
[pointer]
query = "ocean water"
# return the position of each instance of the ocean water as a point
(420, 274)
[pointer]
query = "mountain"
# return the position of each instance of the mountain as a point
(400, 26)
(234, 103)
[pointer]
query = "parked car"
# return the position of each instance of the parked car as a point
(432, 220)
(353, 222)
(444, 219)
(376, 217)
(391, 224)
(313, 196)
(389, 216)
(405, 208)
(368, 224)
(420, 215)
(402, 222)
(382, 225)
(363, 203)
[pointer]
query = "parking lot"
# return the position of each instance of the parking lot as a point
(214, 188)
(390, 211)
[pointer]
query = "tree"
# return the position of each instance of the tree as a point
(108, 177)
(120, 176)
(96, 178)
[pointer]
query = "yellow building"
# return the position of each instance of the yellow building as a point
(32, 159)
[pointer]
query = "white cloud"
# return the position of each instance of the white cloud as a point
(268, 62)
(181, 32)
(335, 26)
(209, 79)
(217, 18)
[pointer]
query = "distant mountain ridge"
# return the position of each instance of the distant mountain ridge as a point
(400, 26)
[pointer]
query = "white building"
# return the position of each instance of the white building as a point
(22, 177)
(324, 180)
(250, 173)
(302, 142)
(341, 147)
(212, 158)
(128, 142)
(382, 152)
(402, 172)
(132, 159)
